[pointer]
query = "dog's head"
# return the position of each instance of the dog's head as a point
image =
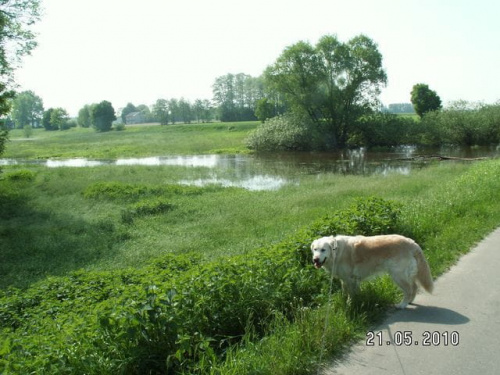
(323, 249)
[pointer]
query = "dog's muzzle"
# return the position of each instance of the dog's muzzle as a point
(317, 263)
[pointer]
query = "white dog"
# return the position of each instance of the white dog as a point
(353, 259)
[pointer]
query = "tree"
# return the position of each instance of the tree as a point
(146, 112)
(16, 41)
(224, 96)
(46, 119)
(185, 111)
(334, 83)
(161, 111)
(27, 109)
(207, 113)
(102, 116)
(59, 119)
(129, 108)
(236, 95)
(202, 110)
(173, 109)
(198, 110)
(84, 117)
(56, 119)
(264, 109)
(424, 99)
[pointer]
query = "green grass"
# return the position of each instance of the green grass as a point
(99, 252)
(54, 223)
(144, 140)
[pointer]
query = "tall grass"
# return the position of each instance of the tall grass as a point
(65, 219)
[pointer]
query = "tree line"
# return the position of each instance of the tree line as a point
(312, 97)
(236, 97)
(332, 84)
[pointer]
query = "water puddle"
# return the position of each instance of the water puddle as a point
(209, 161)
(254, 183)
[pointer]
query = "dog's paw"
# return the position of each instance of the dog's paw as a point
(401, 305)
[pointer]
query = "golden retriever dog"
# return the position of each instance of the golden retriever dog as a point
(354, 259)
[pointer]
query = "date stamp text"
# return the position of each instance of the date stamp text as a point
(408, 338)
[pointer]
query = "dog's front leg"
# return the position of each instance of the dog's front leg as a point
(350, 286)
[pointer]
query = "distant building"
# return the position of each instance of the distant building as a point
(135, 118)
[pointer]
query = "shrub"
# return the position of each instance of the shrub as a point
(383, 129)
(288, 132)
(114, 190)
(148, 207)
(174, 315)
(118, 190)
(20, 175)
(464, 123)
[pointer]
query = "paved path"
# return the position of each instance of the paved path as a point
(466, 301)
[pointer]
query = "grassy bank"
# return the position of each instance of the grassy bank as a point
(139, 140)
(57, 221)
(119, 269)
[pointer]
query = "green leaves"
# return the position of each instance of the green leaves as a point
(102, 116)
(424, 99)
(332, 82)
(178, 314)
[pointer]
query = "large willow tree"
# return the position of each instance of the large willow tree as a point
(333, 82)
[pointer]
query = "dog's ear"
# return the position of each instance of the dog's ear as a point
(313, 244)
(333, 242)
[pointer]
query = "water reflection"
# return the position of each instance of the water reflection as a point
(209, 161)
(254, 183)
(75, 163)
(273, 171)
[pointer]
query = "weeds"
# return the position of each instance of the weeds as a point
(154, 206)
(118, 190)
(20, 175)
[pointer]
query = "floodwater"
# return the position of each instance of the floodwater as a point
(273, 171)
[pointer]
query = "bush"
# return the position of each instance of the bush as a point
(383, 129)
(148, 207)
(174, 315)
(288, 132)
(115, 190)
(464, 124)
(118, 190)
(20, 175)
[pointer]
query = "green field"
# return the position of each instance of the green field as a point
(95, 254)
(136, 140)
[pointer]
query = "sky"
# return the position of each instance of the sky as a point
(140, 51)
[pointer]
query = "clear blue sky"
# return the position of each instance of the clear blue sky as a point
(139, 51)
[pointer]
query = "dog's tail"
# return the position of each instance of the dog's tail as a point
(424, 272)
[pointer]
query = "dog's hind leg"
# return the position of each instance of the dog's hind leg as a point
(409, 290)
(414, 291)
